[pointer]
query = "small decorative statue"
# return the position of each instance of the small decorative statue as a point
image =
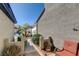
(52, 44)
(48, 44)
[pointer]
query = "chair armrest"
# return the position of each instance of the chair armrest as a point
(59, 50)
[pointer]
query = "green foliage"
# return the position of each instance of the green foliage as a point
(11, 51)
(19, 38)
(35, 38)
(23, 28)
(26, 26)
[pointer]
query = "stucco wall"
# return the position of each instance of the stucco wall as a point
(34, 30)
(58, 21)
(6, 29)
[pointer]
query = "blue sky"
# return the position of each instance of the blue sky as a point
(26, 12)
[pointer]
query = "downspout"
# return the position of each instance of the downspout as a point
(37, 28)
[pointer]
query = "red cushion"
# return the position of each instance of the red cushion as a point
(71, 46)
(65, 53)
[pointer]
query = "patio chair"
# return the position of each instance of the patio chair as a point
(70, 49)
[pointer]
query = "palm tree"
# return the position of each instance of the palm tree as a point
(22, 29)
(25, 27)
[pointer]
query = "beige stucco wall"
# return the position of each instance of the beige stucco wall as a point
(58, 21)
(6, 29)
(34, 30)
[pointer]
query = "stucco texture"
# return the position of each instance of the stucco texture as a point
(58, 21)
(6, 29)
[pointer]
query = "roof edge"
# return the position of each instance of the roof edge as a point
(5, 7)
(40, 15)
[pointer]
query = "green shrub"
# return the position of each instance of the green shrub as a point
(35, 38)
(19, 38)
(12, 50)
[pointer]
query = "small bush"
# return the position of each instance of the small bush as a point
(19, 38)
(11, 51)
(35, 38)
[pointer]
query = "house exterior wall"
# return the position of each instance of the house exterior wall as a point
(34, 30)
(6, 29)
(58, 21)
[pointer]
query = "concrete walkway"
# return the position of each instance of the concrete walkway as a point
(30, 50)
